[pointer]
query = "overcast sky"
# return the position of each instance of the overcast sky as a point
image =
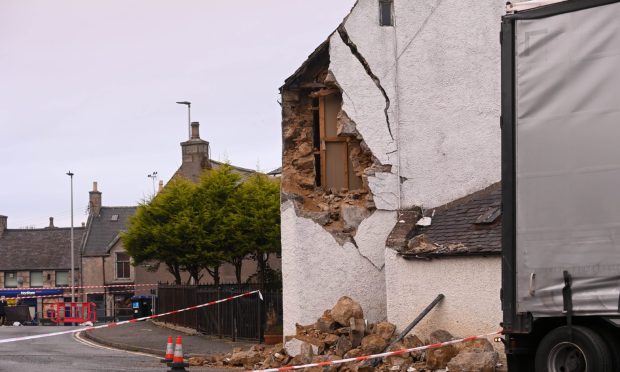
(90, 86)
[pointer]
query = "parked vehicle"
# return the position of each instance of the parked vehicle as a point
(561, 185)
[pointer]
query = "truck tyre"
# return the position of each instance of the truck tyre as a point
(585, 351)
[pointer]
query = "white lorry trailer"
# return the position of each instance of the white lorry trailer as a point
(561, 186)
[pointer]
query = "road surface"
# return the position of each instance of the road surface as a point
(67, 353)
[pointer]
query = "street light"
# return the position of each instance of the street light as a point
(153, 177)
(189, 118)
(72, 251)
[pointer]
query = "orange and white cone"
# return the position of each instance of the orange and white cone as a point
(177, 360)
(169, 351)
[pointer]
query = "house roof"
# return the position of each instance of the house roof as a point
(242, 171)
(275, 172)
(39, 249)
(467, 226)
(104, 229)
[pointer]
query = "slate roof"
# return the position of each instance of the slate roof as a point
(468, 226)
(103, 229)
(39, 249)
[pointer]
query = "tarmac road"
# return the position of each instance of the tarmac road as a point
(67, 353)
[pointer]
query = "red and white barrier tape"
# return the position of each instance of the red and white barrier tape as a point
(67, 295)
(375, 356)
(79, 287)
(15, 339)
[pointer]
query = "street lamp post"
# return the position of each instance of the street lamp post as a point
(153, 177)
(189, 117)
(72, 250)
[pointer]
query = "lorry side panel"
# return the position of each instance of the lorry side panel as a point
(567, 160)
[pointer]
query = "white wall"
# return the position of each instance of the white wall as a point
(317, 271)
(444, 111)
(440, 67)
(470, 285)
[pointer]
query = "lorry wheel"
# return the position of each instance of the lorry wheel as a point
(585, 351)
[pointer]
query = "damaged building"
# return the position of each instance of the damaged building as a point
(394, 116)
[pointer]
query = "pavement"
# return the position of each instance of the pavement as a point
(146, 337)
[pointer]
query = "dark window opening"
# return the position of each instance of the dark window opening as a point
(317, 169)
(386, 8)
(316, 122)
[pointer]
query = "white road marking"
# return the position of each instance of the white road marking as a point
(94, 345)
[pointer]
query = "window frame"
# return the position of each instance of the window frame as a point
(56, 278)
(42, 281)
(116, 266)
(321, 179)
(15, 278)
(382, 22)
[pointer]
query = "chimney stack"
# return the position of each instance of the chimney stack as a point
(3, 224)
(161, 186)
(94, 203)
(195, 130)
(51, 226)
(195, 153)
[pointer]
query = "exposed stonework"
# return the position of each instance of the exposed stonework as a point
(338, 211)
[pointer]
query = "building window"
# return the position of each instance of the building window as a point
(10, 279)
(36, 278)
(386, 10)
(62, 278)
(332, 152)
(122, 266)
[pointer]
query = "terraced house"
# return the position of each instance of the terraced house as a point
(36, 262)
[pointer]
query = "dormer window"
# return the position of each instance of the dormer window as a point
(386, 10)
(114, 217)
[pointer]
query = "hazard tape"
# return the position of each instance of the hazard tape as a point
(33, 337)
(80, 287)
(67, 295)
(375, 356)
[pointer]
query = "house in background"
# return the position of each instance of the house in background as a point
(396, 114)
(104, 259)
(37, 262)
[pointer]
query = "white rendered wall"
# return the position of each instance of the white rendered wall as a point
(317, 271)
(440, 67)
(471, 286)
(445, 117)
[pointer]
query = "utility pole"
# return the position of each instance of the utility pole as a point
(72, 250)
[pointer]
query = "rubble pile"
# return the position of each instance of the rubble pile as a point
(342, 332)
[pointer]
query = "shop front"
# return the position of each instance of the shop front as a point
(31, 298)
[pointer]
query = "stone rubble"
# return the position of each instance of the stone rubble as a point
(342, 332)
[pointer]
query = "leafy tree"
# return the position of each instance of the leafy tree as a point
(216, 226)
(193, 228)
(159, 229)
(259, 220)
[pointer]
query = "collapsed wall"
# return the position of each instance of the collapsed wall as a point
(333, 233)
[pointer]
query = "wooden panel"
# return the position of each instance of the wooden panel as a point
(332, 106)
(322, 130)
(336, 167)
(355, 182)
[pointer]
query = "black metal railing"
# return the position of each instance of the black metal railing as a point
(243, 318)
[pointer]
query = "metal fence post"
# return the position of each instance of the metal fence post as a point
(219, 314)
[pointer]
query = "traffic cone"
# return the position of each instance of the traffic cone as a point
(177, 360)
(169, 351)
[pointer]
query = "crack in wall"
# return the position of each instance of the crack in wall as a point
(353, 47)
(352, 240)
